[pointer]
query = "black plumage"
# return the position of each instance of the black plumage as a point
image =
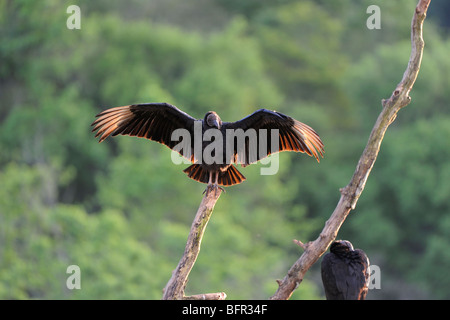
(345, 272)
(157, 122)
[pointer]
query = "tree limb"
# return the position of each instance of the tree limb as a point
(207, 296)
(174, 289)
(351, 193)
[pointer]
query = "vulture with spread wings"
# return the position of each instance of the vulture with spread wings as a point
(158, 121)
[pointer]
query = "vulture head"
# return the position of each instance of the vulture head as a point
(213, 120)
(341, 247)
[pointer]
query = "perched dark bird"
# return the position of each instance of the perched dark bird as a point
(345, 272)
(159, 121)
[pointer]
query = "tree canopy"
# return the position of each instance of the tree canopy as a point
(121, 210)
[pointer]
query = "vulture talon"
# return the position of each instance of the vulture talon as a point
(213, 187)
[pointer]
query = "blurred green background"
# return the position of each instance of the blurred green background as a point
(121, 210)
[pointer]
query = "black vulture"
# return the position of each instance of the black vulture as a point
(159, 121)
(345, 272)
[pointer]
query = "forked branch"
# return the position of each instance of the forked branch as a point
(351, 193)
(174, 289)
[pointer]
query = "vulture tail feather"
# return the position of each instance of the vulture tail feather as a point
(227, 178)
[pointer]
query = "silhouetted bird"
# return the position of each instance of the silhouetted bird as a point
(345, 272)
(158, 121)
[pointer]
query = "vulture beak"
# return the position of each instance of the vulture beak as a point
(216, 123)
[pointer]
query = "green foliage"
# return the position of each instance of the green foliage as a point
(39, 241)
(121, 210)
(303, 65)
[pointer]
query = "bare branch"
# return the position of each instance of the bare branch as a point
(174, 289)
(207, 296)
(302, 245)
(351, 193)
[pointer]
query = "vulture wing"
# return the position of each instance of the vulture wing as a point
(154, 121)
(332, 289)
(359, 269)
(293, 136)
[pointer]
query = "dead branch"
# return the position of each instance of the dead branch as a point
(351, 193)
(174, 289)
(207, 296)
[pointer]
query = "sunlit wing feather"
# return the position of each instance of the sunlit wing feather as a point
(293, 136)
(153, 121)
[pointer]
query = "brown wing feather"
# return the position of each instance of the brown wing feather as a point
(293, 135)
(153, 121)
